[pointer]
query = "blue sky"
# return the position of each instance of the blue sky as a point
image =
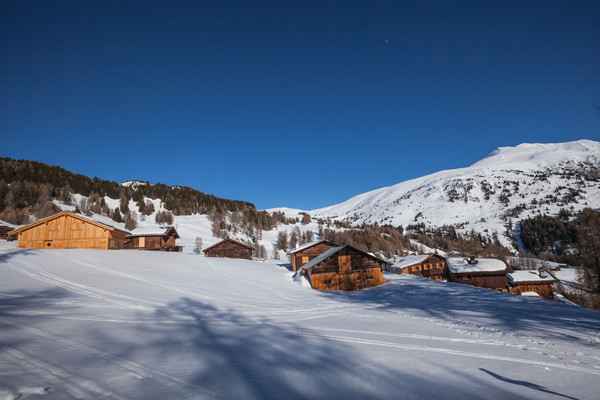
(297, 104)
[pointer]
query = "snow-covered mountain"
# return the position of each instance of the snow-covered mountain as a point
(510, 184)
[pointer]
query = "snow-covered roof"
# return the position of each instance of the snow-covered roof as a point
(306, 246)
(529, 276)
(407, 261)
(459, 265)
(530, 294)
(150, 231)
(323, 256)
(13, 226)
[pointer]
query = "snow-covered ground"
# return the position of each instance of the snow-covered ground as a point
(124, 324)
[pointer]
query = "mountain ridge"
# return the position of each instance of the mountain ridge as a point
(487, 196)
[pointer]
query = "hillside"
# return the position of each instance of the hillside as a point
(131, 325)
(490, 196)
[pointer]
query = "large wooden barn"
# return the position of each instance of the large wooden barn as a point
(302, 255)
(432, 266)
(66, 230)
(528, 281)
(152, 240)
(229, 248)
(481, 272)
(344, 268)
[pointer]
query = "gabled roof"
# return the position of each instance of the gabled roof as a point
(529, 277)
(228, 240)
(408, 261)
(146, 232)
(459, 265)
(70, 214)
(309, 245)
(333, 251)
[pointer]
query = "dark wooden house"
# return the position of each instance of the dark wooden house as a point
(528, 281)
(66, 230)
(344, 268)
(152, 240)
(4, 229)
(229, 248)
(481, 272)
(432, 266)
(302, 255)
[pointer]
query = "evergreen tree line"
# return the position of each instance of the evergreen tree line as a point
(26, 187)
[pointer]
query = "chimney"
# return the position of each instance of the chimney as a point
(542, 273)
(472, 260)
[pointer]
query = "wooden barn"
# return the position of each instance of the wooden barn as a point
(527, 281)
(481, 272)
(66, 230)
(302, 255)
(432, 266)
(344, 268)
(152, 240)
(229, 248)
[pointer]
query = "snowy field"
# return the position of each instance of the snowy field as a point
(86, 324)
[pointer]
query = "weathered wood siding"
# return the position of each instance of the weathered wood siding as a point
(297, 260)
(155, 242)
(229, 249)
(67, 232)
(543, 289)
(347, 269)
(4, 231)
(497, 281)
(433, 267)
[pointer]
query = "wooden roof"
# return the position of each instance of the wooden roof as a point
(62, 214)
(228, 240)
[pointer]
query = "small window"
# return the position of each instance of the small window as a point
(369, 277)
(327, 281)
(427, 266)
(305, 259)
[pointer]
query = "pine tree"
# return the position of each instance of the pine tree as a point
(117, 215)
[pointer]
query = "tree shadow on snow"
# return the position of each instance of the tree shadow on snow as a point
(481, 308)
(228, 355)
(525, 384)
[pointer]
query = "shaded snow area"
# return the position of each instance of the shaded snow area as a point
(86, 324)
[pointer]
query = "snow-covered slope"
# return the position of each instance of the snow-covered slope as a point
(510, 184)
(89, 324)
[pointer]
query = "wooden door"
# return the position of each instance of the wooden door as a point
(345, 263)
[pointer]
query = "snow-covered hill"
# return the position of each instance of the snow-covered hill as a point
(89, 324)
(510, 184)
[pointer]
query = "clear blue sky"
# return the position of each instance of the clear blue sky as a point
(301, 104)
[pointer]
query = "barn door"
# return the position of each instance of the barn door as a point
(344, 263)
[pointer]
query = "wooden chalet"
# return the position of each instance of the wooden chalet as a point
(4, 230)
(432, 266)
(302, 255)
(481, 272)
(152, 240)
(527, 281)
(229, 248)
(344, 268)
(66, 230)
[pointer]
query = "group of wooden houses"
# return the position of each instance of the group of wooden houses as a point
(487, 273)
(326, 265)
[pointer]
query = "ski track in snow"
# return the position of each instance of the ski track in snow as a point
(461, 335)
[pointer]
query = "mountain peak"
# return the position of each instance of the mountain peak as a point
(541, 155)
